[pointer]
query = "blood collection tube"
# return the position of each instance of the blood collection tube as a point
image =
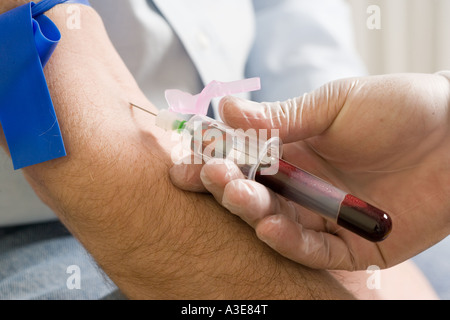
(330, 202)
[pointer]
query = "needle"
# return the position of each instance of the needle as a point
(145, 110)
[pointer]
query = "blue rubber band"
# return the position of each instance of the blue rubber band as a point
(28, 39)
(27, 115)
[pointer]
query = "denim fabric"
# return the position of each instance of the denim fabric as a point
(435, 264)
(34, 262)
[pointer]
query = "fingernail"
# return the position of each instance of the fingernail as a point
(272, 220)
(232, 170)
(175, 173)
(209, 169)
(204, 175)
(243, 190)
(217, 168)
(245, 105)
(242, 104)
(267, 241)
(233, 208)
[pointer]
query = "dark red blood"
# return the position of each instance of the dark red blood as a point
(364, 219)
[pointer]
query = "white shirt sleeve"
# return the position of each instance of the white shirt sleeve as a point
(300, 45)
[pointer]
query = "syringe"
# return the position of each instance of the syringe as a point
(262, 161)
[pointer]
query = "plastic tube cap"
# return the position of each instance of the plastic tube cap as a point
(170, 121)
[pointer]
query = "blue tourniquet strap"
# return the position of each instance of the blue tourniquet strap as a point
(28, 39)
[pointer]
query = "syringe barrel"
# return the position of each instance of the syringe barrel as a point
(249, 150)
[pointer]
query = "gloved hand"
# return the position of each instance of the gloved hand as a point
(384, 139)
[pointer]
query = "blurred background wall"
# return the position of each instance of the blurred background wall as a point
(412, 35)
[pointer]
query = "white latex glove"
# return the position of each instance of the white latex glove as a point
(384, 139)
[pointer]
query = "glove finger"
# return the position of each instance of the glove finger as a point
(249, 200)
(216, 174)
(187, 177)
(294, 232)
(252, 201)
(296, 119)
(315, 249)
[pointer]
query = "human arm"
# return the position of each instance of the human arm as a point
(113, 191)
(384, 139)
